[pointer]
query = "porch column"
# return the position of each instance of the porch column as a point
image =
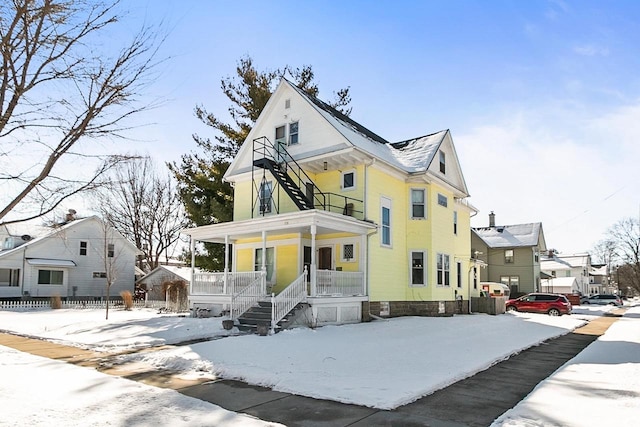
(193, 264)
(226, 264)
(264, 258)
(313, 260)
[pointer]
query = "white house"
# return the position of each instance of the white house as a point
(72, 260)
(575, 265)
(153, 281)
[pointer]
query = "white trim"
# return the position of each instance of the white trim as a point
(424, 203)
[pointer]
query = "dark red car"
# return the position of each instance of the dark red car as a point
(552, 304)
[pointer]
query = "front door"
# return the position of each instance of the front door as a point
(324, 258)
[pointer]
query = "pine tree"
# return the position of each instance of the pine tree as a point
(207, 199)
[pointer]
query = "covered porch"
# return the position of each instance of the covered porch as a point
(321, 254)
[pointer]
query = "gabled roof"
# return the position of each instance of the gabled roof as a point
(50, 232)
(182, 272)
(413, 156)
(510, 236)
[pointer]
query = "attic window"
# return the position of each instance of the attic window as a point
(443, 165)
(287, 103)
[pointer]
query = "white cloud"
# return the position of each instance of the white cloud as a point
(591, 50)
(576, 174)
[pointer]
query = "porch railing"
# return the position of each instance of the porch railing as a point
(286, 300)
(213, 283)
(339, 283)
(248, 296)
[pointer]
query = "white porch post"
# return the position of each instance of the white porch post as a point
(264, 259)
(226, 264)
(313, 260)
(193, 264)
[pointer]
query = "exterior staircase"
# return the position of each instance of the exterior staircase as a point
(297, 195)
(260, 315)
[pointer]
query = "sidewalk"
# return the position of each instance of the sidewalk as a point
(475, 401)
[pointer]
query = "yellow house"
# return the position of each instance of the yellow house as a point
(329, 215)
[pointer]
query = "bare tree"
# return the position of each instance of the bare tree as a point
(626, 234)
(109, 252)
(58, 91)
(145, 208)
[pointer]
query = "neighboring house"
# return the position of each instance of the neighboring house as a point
(575, 265)
(153, 281)
(560, 285)
(511, 254)
(379, 227)
(599, 279)
(70, 260)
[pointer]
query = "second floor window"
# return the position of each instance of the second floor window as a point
(280, 139)
(265, 197)
(442, 200)
(417, 204)
(385, 214)
(110, 250)
(293, 133)
(348, 180)
(508, 256)
(455, 222)
(83, 248)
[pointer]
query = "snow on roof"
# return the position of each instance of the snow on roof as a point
(575, 260)
(182, 272)
(414, 155)
(563, 281)
(507, 236)
(598, 271)
(554, 265)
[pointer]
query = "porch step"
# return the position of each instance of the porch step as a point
(261, 315)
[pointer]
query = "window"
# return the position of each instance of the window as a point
(50, 277)
(508, 256)
(511, 281)
(475, 277)
(442, 200)
(269, 262)
(293, 133)
(99, 275)
(417, 204)
(385, 215)
(83, 248)
(266, 190)
(536, 257)
(287, 103)
(110, 250)
(553, 273)
(348, 180)
(417, 269)
(9, 277)
(280, 139)
(443, 165)
(459, 274)
(348, 252)
(443, 270)
(455, 222)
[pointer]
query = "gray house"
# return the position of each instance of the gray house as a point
(511, 254)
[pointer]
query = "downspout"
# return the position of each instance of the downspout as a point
(193, 265)
(24, 259)
(368, 254)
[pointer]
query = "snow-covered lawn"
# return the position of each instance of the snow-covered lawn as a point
(35, 391)
(381, 364)
(598, 387)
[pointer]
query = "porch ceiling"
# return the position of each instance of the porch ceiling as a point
(294, 222)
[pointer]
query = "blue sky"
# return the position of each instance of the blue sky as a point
(542, 97)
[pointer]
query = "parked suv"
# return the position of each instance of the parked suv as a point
(552, 304)
(603, 299)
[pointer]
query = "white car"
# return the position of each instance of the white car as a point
(603, 299)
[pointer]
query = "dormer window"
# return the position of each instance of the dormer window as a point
(443, 163)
